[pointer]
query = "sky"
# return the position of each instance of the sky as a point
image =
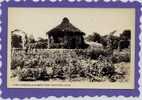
(38, 21)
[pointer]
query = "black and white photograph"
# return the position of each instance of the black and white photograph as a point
(72, 47)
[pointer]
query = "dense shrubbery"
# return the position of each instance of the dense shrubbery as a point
(46, 64)
(90, 53)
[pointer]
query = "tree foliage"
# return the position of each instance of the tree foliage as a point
(95, 37)
(126, 35)
(113, 41)
(31, 39)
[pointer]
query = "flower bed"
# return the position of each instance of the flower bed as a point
(63, 64)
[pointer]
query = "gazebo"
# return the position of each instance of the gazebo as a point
(66, 35)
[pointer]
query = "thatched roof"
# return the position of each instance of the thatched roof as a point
(65, 28)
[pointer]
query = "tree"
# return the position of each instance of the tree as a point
(125, 39)
(126, 35)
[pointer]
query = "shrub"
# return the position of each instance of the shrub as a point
(27, 74)
(123, 56)
(32, 74)
(94, 53)
(101, 69)
(16, 62)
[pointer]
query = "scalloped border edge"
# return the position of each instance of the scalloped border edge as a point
(71, 97)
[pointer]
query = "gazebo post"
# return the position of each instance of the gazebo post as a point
(48, 41)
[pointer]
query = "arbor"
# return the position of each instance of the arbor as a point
(16, 41)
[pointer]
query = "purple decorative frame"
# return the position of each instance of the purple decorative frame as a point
(38, 92)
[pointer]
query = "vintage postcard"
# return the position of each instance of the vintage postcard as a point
(61, 49)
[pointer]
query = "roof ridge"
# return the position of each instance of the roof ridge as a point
(65, 25)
